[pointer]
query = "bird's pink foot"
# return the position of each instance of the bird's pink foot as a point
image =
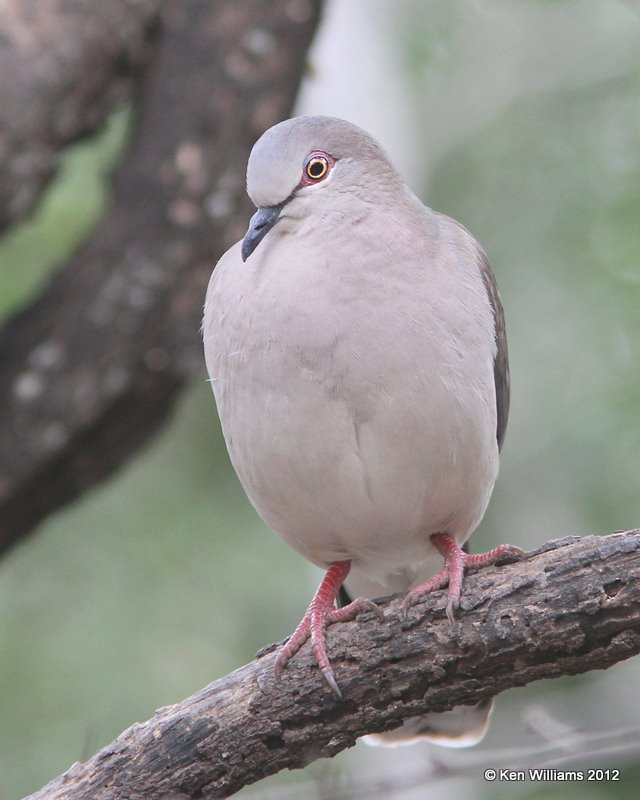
(456, 562)
(320, 614)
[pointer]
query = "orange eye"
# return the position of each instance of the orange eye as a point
(316, 168)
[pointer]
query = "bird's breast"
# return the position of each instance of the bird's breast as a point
(357, 415)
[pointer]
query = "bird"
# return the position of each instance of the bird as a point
(356, 347)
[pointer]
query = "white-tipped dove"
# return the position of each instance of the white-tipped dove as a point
(356, 347)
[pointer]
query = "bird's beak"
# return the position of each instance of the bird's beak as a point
(259, 226)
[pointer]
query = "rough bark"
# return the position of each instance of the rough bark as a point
(90, 370)
(570, 607)
(64, 64)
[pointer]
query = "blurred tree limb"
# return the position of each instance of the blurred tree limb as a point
(64, 66)
(571, 606)
(89, 370)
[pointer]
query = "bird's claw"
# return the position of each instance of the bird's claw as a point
(318, 617)
(456, 563)
(330, 679)
(453, 603)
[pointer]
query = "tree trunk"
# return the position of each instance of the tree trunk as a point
(90, 370)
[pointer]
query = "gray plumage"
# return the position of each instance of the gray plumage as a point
(356, 348)
(501, 362)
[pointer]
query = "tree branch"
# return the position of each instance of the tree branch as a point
(64, 64)
(571, 606)
(91, 369)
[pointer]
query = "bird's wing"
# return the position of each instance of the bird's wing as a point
(501, 361)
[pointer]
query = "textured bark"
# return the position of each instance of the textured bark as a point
(64, 64)
(90, 370)
(570, 607)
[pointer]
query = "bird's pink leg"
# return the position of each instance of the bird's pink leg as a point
(321, 613)
(456, 562)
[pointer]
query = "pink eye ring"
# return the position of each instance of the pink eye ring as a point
(316, 167)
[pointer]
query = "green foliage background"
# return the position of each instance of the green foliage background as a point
(164, 578)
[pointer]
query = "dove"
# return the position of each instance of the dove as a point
(356, 348)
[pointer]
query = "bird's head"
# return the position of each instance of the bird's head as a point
(307, 165)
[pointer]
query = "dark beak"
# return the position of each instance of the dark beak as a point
(261, 223)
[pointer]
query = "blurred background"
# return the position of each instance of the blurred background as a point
(521, 119)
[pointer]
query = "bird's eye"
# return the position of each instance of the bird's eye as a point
(316, 168)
